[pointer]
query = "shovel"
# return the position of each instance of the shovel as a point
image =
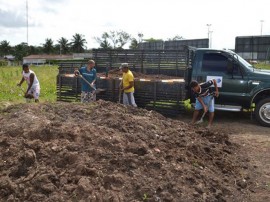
(28, 98)
(201, 119)
(96, 91)
(120, 93)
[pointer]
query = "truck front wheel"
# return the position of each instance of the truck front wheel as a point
(262, 112)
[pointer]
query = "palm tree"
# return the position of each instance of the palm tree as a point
(5, 48)
(78, 43)
(34, 50)
(20, 51)
(48, 46)
(63, 45)
(134, 44)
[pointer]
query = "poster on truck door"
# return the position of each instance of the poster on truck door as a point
(217, 78)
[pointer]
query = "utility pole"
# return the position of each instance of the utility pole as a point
(262, 26)
(209, 32)
(210, 40)
(27, 22)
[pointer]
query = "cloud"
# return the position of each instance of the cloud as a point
(155, 19)
(11, 19)
(48, 9)
(54, 2)
(51, 6)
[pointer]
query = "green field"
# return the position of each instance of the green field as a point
(10, 76)
(263, 66)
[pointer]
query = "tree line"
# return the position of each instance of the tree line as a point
(77, 44)
(63, 46)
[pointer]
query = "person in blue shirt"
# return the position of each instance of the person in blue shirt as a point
(88, 79)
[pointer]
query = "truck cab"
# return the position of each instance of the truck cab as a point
(241, 86)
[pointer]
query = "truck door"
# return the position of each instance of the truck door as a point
(231, 79)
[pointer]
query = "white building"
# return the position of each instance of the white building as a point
(42, 59)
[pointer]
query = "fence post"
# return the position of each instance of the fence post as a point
(60, 87)
(155, 94)
(178, 94)
(159, 59)
(96, 57)
(177, 65)
(142, 57)
(113, 90)
(110, 55)
(76, 88)
(106, 70)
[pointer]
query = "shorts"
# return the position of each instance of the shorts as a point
(35, 91)
(88, 96)
(128, 99)
(206, 100)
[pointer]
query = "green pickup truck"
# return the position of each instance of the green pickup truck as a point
(241, 85)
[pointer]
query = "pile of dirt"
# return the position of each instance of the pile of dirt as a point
(116, 73)
(107, 152)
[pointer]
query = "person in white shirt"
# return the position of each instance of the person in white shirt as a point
(30, 77)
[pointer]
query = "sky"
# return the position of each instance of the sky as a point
(159, 19)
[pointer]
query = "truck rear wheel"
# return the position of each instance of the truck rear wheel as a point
(262, 112)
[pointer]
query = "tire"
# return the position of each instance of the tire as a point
(262, 112)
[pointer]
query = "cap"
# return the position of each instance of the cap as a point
(123, 65)
(25, 65)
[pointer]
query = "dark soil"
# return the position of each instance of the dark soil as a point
(255, 145)
(108, 152)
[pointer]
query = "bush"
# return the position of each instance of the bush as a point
(3, 63)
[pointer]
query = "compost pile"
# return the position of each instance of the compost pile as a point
(107, 152)
(116, 73)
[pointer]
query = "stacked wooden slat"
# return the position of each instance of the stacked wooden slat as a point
(164, 96)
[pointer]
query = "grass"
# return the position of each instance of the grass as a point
(145, 197)
(263, 66)
(10, 76)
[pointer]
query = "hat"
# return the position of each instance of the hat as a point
(25, 65)
(123, 65)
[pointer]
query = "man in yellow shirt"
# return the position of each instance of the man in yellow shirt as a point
(127, 85)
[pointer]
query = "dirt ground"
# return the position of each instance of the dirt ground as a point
(107, 152)
(255, 143)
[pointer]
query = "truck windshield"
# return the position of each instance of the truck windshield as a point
(242, 61)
